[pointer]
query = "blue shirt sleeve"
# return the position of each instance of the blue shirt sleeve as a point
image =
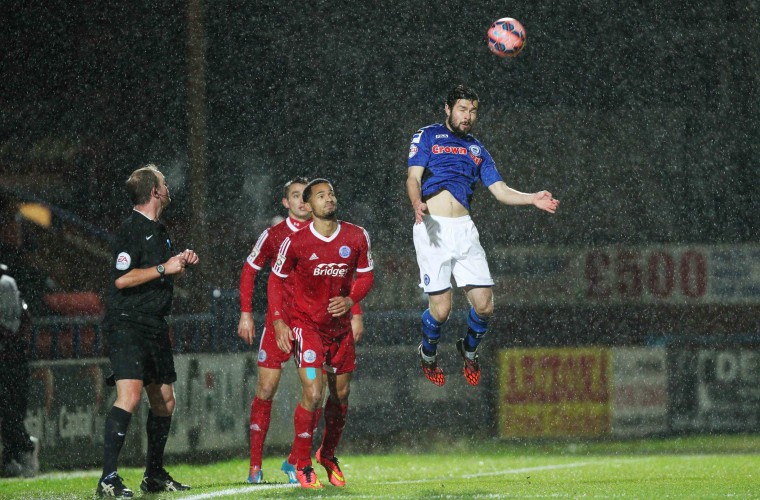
(488, 172)
(419, 149)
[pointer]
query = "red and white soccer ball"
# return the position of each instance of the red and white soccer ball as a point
(506, 37)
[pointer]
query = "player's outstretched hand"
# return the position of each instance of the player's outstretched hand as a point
(284, 335)
(338, 306)
(246, 329)
(545, 201)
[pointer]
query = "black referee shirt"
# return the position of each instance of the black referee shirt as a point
(140, 243)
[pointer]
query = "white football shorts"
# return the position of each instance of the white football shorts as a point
(449, 246)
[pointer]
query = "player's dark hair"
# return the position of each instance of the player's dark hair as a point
(141, 183)
(461, 91)
(307, 190)
(294, 180)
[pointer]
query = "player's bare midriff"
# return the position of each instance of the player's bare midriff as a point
(444, 204)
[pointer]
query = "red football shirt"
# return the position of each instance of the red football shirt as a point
(264, 252)
(320, 268)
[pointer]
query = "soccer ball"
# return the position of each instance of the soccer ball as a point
(506, 37)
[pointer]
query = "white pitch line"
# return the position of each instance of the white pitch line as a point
(527, 469)
(496, 473)
(58, 475)
(251, 489)
(237, 491)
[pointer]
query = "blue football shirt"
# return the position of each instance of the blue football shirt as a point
(452, 163)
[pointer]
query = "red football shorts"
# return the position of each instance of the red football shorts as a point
(271, 356)
(336, 355)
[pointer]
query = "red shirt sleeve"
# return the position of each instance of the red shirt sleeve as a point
(361, 286)
(356, 309)
(275, 287)
(275, 290)
(247, 280)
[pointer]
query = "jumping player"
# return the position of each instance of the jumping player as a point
(320, 261)
(445, 162)
(271, 359)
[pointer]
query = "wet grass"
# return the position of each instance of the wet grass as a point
(680, 467)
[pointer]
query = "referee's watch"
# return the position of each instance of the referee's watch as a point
(161, 270)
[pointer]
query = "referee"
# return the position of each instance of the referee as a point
(145, 264)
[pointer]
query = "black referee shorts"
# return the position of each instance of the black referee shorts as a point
(141, 352)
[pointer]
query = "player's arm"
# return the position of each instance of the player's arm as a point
(275, 294)
(246, 327)
(509, 196)
(283, 333)
(338, 306)
(260, 255)
(357, 324)
(414, 191)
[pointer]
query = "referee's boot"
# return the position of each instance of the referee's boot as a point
(113, 486)
(160, 480)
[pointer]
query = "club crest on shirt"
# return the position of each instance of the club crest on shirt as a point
(344, 251)
(123, 260)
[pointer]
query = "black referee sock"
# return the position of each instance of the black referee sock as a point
(116, 426)
(158, 432)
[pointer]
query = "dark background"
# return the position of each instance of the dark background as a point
(642, 118)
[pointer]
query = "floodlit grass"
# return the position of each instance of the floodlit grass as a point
(693, 467)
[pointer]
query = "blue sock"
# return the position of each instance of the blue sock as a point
(477, 329)
(431, 333)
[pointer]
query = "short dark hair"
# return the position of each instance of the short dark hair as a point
(294, 180)
(141, 183)
(307, 190)
(461, 91)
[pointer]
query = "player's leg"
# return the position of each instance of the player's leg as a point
(481, 300)
(472, 273)
(309, 357)
(261, 412)
(432, 322)
(434, 258)
(270, 363)
(336, 408)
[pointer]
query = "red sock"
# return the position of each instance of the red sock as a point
(335, 422)
(303, 424)
(317, 416)
(261, 413)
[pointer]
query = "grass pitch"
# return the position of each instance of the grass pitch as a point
(694, 467)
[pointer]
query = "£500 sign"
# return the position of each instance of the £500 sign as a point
(650, 275)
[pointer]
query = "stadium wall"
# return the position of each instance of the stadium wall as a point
(588, 392)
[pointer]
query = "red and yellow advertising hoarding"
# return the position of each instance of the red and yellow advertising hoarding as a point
(560, 392)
